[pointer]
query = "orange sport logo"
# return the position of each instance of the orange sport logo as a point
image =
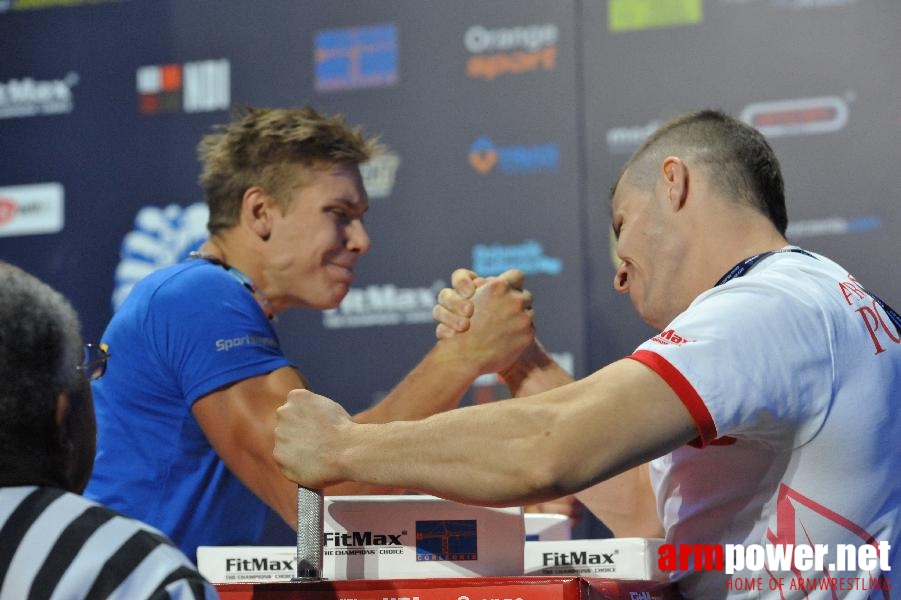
(510, 50)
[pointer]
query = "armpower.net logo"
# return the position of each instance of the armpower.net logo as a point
(811, 567)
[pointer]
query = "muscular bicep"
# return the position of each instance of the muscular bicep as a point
(239, 422)
(531, 449)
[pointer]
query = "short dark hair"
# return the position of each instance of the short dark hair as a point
(40, 347)
(260, 146)
(738, 159)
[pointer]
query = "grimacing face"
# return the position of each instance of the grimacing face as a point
(315, 245)
(648, 247)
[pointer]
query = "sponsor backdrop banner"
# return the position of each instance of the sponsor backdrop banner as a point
(507, 122)
(816, 76)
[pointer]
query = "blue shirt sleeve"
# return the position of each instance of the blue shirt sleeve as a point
(211, 332)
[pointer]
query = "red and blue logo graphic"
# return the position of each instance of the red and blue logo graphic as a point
(446, 540)
(356, 57)
(198, 86)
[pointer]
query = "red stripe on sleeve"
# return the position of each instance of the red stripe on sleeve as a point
(686, 392)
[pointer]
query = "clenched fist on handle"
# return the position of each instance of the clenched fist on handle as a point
(307, 438)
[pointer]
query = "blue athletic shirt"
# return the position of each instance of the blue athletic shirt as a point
(183, 332)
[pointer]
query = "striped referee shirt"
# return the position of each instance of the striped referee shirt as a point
(57, 545)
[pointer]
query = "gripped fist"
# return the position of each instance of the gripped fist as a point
(488, 321)
(308, 432)
(455, 307)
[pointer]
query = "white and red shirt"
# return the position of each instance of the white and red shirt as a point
(792, 373)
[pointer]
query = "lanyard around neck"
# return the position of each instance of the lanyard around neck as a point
(747, 264)
(242, 278)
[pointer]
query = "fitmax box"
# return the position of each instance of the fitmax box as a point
(388, 537)
(547, 526)
(615, 558)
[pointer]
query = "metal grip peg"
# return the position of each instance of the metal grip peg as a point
(310, 506)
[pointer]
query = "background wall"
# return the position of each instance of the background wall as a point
(508, 121)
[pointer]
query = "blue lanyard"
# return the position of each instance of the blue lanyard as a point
(747, 264)
(242, 279)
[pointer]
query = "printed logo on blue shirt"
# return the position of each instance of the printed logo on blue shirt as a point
(224, 345)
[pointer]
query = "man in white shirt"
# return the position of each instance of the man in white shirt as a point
(768, 402)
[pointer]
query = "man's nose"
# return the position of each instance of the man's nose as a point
(358, 238)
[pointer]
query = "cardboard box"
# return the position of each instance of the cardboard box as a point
(388, 537)
(616, 558)
(547, 527)
(247, 564)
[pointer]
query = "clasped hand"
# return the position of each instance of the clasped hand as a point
(488, 319)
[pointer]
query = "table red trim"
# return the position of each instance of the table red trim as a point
(470, 588)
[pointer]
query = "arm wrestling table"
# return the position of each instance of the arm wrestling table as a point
(470, 588)
(307, 585)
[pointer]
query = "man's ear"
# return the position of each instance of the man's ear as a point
(63, 436)
(675, 177)
(61, 417)
(257, 211)
(76, 436)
